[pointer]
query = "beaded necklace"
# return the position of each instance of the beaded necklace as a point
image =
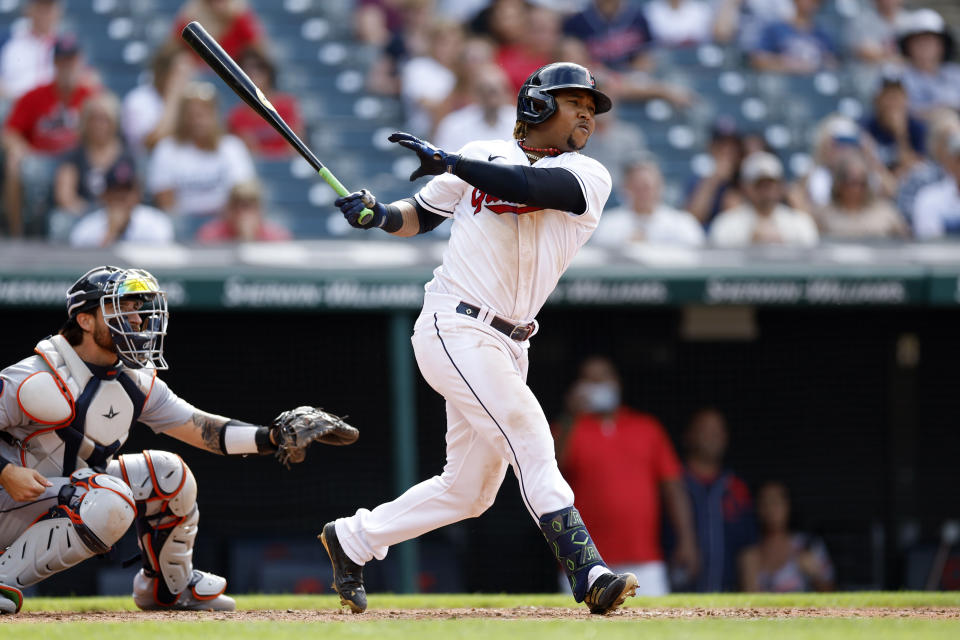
(535, 153)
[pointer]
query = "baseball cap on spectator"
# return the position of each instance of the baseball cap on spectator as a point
(122, 175)
(920, 22)
(760, 165)
(891, 76)
(844, 131)
(66, 45)
(724, 127)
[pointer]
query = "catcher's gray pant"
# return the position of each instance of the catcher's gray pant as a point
(89, 521)
(493, 420)
(156, 487)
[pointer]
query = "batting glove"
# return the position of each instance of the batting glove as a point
(433, 161)
(353, 204)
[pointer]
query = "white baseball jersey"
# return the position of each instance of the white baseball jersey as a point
(505, 255)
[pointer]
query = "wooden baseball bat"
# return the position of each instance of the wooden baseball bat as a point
(213, 54)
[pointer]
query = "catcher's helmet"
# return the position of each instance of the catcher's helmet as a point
(85, 294)
(535, 103)
(107, 288)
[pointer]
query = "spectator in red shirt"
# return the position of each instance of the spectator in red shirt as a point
(722, 507)
(231, 23)
(242, 219)
(536, 47)
(623, 470)
(44, 121)
(262, 139)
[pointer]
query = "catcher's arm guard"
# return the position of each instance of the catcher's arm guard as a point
(296, 429)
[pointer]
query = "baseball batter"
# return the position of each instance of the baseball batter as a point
(521, 210)
(64, 413)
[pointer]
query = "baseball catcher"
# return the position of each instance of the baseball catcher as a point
(67, 410)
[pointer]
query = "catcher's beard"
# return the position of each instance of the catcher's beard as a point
(102, 337)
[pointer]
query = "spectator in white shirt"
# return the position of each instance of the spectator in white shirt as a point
(855, 209)
(26, 60)
(943, 122)
(675, 23)
(937, 209)
(192, 171)
(490, 116)
(763, 219)
(427, 81)
(123, 218)
(646, 218)
(150, 110)
(930, 78)
(835, 137)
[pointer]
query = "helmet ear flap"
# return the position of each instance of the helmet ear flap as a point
(537, 106)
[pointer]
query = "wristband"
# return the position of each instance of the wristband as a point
(392, 219)
(3, 463)
(241, 438)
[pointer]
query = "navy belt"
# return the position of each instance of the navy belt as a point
(518, 332)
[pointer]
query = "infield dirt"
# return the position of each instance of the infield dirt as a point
(529, 613)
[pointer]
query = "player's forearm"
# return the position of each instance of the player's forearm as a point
(552, 188)
(407, 218)
(224, 436)
(409, 222)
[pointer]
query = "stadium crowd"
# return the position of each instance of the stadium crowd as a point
(455, 67)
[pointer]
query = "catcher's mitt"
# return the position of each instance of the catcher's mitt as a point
(295, 429)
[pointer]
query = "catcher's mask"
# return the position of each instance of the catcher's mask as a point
(535, 103)
(122, 294)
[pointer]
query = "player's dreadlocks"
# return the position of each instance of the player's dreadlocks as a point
(520, 130)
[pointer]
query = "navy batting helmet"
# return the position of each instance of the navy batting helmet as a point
(536, 103)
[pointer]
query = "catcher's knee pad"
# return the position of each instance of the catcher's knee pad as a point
(167, 515)
(93, 512)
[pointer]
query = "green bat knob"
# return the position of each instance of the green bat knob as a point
(365, 215)
(341, 190)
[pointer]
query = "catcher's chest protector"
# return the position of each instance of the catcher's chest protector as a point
(79, 419)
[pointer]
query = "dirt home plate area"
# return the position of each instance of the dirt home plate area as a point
(517, 613)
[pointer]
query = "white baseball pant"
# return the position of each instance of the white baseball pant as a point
(493, 420)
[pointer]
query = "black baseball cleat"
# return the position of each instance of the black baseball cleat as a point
(609, 591)
(347, 574)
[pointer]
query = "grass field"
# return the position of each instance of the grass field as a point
(847, 616)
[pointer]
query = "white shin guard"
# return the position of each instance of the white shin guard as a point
(94, 511)
(166, 494)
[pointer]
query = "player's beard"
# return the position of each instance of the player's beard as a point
(103, 338)
(572, 145)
